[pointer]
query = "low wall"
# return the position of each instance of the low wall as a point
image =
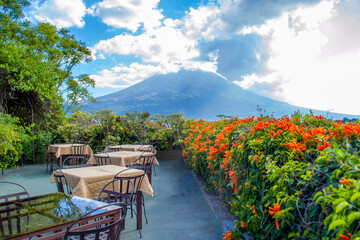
(169, 155)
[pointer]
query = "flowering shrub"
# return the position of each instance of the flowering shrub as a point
(11, 136)
(283, 178)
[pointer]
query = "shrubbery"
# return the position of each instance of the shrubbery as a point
(282, 178)
(11, 137)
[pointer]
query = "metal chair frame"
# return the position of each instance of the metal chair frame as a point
(116, 149)
(50, 159)
(100, 161)
(96, 228)
(16, 195)
(60, 181)
(120, 189)
(144, 162)
(78, 149)
(137, 181)
(75, 162)
(59, 140)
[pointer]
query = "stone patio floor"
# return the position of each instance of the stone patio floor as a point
(177, 210)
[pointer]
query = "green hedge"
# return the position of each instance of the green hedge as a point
(282, 178)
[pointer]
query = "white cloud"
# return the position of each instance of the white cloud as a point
(306, 65)
(129, 14)
(163, 44)
(122, 76)
(61, 13)
(203, 23)
(168, 47)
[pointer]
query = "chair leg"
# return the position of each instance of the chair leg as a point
(133, 210)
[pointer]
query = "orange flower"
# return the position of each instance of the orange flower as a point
(256, 158)
(344, 181)
(322, 147)
(344, 237)
(243, 224)
(296, 146)
(253, 208)
(228, 235)
(223, 147)
(275, 210)
(275, 134)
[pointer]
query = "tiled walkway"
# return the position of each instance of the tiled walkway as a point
(177, 210)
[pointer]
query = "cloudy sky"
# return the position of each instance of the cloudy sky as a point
(304, 52)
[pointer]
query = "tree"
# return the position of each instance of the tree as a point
(36, 63)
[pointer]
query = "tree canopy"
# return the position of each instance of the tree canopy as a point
(37, 83)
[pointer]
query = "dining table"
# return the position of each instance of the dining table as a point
(123, 158)
(89, 181)
(47, 216)
(131, 147)
(62, 150)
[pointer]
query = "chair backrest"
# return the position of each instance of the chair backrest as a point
(120, 189)
(116, 149)
(98, 228)
(75, 162)
(102, 160)
(18, 193)
(145, 159)
(78, 149)
(60, 140)
(136, 180)
(60, 180)
(101, 148)
(146, 149)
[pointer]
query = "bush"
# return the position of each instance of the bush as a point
(11, 137)
(282, 178)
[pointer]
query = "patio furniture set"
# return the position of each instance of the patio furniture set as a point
(95, 191)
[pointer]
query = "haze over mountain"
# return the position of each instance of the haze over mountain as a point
(198, 95)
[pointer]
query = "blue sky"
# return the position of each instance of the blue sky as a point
(304, 52)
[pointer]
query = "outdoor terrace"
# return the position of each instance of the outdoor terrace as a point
(177, 210)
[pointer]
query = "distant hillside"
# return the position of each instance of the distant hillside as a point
(197, 94)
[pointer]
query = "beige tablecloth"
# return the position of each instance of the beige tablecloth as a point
(132, 147)
(123, 158)
(65, 149)
(89, 181)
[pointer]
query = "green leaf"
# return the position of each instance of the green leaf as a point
(341, 206)
(352, 217)
(293, 234)
(354, 197)
(336, 223)
(319, 199)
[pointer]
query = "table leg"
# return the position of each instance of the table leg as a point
(60, 162)
(139, 209)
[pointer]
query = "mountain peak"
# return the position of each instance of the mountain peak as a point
(196, 94)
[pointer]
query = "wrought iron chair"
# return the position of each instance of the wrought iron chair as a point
(150, 149)
(144, 162)
(50, 159)
(60, 181)
(59, 141)
(101, 148)
(103, 160)
(120, 189)
(116, 149)
(104, 228)
(13, 194)
(78, 150)
(137, 181)
(75, 162)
